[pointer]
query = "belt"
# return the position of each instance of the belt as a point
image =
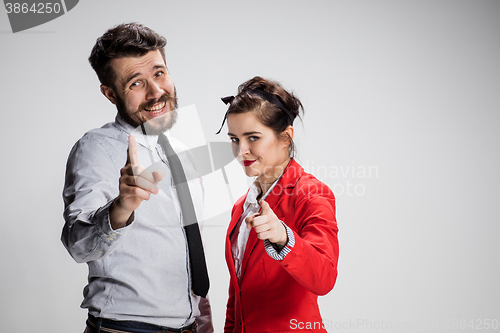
(114, 326)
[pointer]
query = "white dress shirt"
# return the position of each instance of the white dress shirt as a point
(141, 271)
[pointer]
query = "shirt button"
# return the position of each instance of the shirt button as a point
(110, 238)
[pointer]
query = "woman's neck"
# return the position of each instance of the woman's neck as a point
(266, 181)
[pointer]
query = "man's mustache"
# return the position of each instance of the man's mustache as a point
(164, 98)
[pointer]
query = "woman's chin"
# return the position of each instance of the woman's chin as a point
(249, 172)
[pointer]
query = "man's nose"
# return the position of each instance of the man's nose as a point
(154, 90)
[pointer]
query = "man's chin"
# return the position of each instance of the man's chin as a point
(161, 123)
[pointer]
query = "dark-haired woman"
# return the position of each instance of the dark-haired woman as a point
(281, 244)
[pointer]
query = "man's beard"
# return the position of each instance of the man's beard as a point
(156, 125)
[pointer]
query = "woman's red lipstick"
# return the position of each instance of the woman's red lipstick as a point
(248, 162)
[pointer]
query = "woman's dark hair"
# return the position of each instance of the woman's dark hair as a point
(275, 107)
(124, 40)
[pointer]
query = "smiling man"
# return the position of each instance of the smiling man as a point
(132, 235)
(143, 90)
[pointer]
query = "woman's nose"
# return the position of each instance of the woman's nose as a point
(244, 149)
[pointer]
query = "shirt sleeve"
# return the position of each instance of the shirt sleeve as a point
(90, 187)
(280, 254)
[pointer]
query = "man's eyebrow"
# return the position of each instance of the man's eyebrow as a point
(159, 66)
(133, 76)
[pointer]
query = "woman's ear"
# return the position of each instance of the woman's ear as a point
(287, 136)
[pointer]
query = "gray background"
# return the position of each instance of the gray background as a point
(408, 90)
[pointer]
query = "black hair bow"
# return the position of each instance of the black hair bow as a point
(226, 100)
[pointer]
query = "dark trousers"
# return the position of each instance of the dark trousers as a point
(100, 325)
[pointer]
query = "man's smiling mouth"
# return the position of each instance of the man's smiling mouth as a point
(156, 108)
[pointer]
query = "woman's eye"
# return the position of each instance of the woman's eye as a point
(253, 138)
(235, 140)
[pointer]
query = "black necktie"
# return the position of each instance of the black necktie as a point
(199, 274)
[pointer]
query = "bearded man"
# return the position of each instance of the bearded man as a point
(131, 231)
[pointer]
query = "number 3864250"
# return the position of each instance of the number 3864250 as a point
(35, 8)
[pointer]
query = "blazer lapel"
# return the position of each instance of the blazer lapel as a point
(229, 255)
(251, 242)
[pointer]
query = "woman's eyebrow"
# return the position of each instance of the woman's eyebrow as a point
(245, 134)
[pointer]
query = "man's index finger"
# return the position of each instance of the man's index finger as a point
(132, 150)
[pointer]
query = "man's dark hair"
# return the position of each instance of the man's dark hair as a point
(124, 40)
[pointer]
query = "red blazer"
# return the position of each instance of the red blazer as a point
(281, 296)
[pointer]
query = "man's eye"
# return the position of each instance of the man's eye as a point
(160, 73)
(135, 85)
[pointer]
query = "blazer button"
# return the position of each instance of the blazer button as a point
(241, 324)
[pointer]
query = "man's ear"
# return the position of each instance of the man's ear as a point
(109, 93)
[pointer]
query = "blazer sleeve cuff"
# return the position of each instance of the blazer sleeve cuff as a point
(280, 254)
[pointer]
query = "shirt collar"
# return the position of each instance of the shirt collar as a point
(252, 195)
(148, 141)
(254, 192)
(123, 125)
